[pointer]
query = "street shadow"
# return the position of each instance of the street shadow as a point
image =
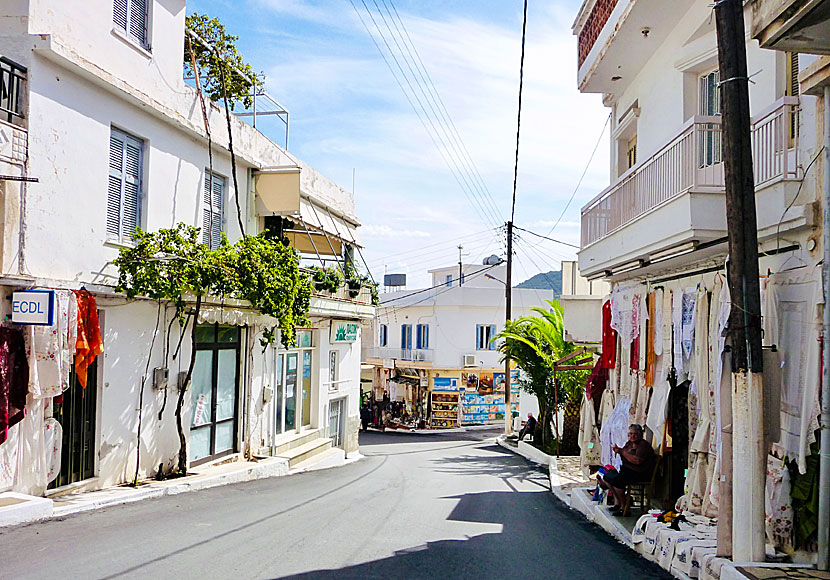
(507, 469)
(539, 539)
(372, 437)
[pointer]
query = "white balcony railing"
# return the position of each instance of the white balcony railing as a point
(412, 354)
(693, 160)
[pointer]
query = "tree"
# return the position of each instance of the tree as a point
(223, 61)
(535, 343)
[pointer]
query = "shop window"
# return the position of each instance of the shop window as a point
(485, 333)
(126, 162)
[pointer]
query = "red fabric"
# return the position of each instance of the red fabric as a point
(609, 339)
(597, 381)
(635, 354)
(14, 379)
(89, 343)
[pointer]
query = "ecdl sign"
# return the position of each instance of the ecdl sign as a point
(33, 307)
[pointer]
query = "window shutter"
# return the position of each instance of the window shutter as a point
(792, 89)
(478, 337)
(132, 189)
(138, 21)
(116, 185)
(119, 13)
(212, 232)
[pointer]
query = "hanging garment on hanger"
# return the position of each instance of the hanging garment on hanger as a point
(31, 456)
(50, 349)
(609, 338)
(677, 327)
(89, 344)
(590, 446)
(14, 379)
(615, 432)
(53, 442)
(688, 325)
(778, 505)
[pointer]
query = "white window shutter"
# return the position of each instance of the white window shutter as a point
(211, 236)
(138, 20)
(119, 13)
(132, 189)
(116, 185)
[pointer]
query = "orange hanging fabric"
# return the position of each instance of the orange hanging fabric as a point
(89, 343)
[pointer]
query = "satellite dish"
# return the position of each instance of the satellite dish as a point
(492, 260)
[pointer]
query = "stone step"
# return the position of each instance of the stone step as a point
(306, 451)
(297, 441)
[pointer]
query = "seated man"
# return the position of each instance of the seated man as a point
(529, 428)
(637, 464)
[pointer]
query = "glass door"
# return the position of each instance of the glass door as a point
(214, 392)
(75, 411)
(306, 388)
(290, 391)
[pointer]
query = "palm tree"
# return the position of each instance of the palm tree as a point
(535, 343)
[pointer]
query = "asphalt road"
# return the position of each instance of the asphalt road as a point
(449, 506)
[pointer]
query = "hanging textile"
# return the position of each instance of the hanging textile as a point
(14, 380)
(650, 338)
(615, 432)
(793, 324)
(660, 394)
(32, 467)
(590, 447)
(658, 298)
(778, 506)
(596, 383)
(50, 348)
(53, 443)
(89, 343)
(701, 429)
(677, 328)
(609, 338)
(625, 313)
(688, 324)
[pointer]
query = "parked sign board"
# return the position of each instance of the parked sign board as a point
(33, 307)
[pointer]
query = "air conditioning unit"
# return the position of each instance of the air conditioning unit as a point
(469, 360)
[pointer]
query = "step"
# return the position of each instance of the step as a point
(306, 451)
(332, 457)
(297, 441)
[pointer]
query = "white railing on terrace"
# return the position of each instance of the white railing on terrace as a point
(412, 354)
(693, 161)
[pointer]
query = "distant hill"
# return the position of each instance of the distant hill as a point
(545, 281)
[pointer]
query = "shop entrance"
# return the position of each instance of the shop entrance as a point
(214, 393)
(336, 422)
(292, 379)
(76, 414)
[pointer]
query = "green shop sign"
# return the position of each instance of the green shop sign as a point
(344, 331)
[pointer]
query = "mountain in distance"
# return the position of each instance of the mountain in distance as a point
(545, 281)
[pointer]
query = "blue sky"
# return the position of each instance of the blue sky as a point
(348, 115)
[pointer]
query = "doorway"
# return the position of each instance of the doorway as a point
(75, 410)
(214, 393)
(336, 422)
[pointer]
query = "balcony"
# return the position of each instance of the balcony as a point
(793, 25)
(12, 80)
(617, 37)
(677, 195)
(408, 354)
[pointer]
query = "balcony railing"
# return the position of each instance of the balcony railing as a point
(364, 295)
(693, 160)
(411, 354)
(12, 78)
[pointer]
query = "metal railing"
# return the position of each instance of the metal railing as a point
(693, 160)
(12, 79)
(410, 354)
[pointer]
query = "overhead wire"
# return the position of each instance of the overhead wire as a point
(442, 284)
(519, 114)
(453, 243)
(484, 212)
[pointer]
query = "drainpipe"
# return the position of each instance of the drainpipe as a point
(824, 457)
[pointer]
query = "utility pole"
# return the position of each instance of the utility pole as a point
(508, 303)
(460, 268)
(824, 444)
(748, 451)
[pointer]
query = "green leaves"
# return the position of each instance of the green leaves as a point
(226, 57)
(170, 263)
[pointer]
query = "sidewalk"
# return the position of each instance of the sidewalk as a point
(17, 508)
(569, 485)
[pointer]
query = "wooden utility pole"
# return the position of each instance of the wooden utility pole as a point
(748, 465)
(508, 307)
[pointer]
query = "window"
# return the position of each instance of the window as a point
(448, 283)
(383, 335)
(422, 336)
(131, 17)
(631, 152)
(485, 333)
(406, 336)
(333, 369)
(710, 148)
(124, 190)
(792, 90)
(212, 215)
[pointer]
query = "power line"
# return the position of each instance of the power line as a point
(416, 292)
(471, 238)
(547, 238)
(519, 117)
(587, 166)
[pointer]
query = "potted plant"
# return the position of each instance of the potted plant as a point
(334, 279)
(355, 283)
(319, 279)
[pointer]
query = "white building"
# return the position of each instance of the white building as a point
(446, 331)
(659, 229)
(114, 138)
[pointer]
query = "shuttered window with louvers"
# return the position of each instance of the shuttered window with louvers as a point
(212, 228)
(124, 188)
(131, 16)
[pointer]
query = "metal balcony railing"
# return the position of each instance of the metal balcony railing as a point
(693, 160)
(410, 354)
(12, 80)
